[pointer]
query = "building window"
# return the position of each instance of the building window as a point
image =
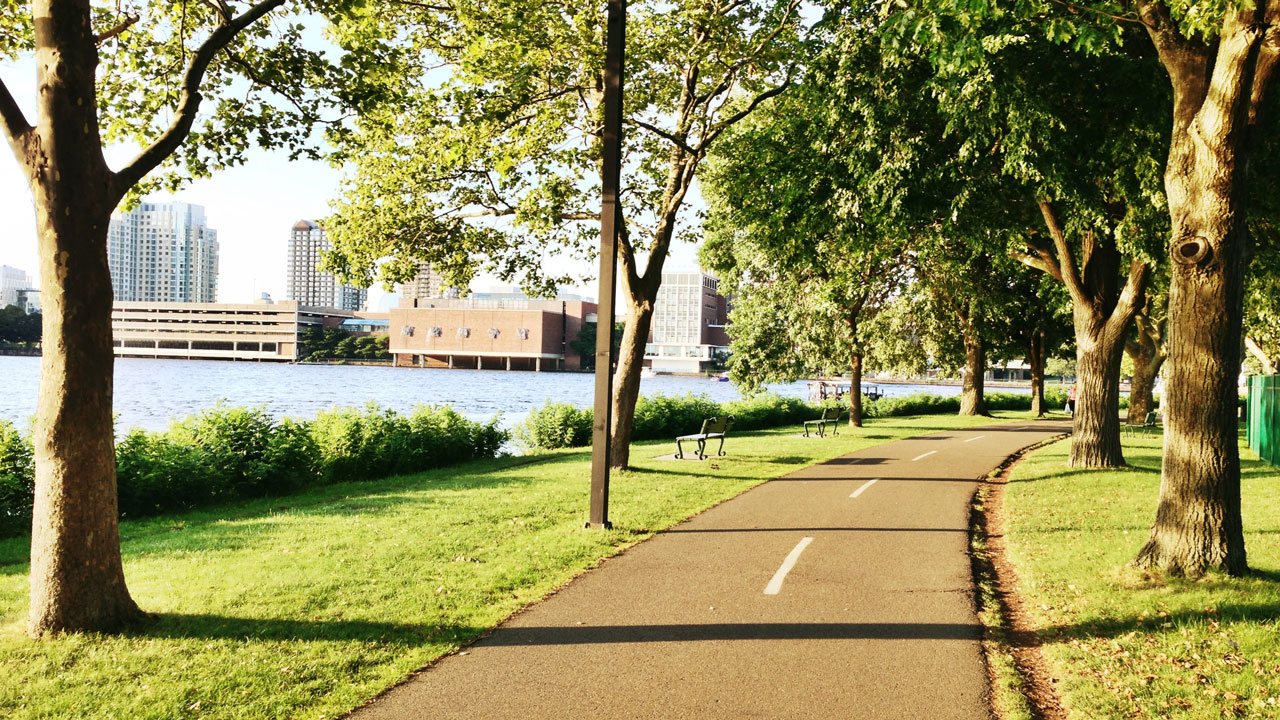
(493, 333)
(464, 332)
(523, 333)
(407, 331)
(435, 331)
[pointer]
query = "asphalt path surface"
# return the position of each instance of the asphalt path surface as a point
(842, 590)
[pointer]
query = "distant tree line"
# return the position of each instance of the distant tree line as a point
(338, 344)
(16, 326)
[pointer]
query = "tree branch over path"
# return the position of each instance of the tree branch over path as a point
(189, 104)
(16, 128)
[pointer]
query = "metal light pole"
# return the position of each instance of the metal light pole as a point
(610, 175)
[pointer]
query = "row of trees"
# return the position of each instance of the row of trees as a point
(936, 142)
(338, 344)
(16, 326)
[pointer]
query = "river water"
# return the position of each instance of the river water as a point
(149, 392)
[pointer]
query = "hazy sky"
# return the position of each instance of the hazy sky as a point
(252, 207)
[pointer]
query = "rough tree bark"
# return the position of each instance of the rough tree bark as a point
(77, 577)
(1147, 353)
(855, 389)
(975, 369)
(1036, 356)
(1101, 310)
(1218, 93)
(626, 390)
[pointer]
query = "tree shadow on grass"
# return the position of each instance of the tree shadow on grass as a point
(1117, 627)
(221, 627)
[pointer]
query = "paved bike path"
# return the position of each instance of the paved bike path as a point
(874, 619)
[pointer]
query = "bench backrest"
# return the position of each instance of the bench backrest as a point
(1150, 421)
(717, 425)
(831, 413)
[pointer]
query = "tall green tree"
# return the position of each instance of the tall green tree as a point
(193, 84)
(793, 241)
(1220, 60)
(492, 159)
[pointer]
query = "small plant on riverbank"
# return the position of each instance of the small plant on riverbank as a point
(16, 480)
(229, 454)
(555, 425)
(561, 425)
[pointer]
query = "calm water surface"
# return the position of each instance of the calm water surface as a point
(149, 393)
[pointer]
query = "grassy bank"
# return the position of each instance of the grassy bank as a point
(1128, 644)
(308, 605)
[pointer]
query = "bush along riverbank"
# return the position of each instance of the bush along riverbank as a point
(563, 425)
(227, 454)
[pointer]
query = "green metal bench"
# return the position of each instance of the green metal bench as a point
(712, 428)
(829, 415)
(1150, 423)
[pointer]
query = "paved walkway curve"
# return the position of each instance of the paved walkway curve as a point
(821, 594)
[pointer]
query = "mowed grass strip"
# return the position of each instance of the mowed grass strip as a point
(308, 606)
(1124, 643)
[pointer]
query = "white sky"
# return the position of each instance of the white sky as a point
(251, 206)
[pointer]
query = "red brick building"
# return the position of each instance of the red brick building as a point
(480, 333)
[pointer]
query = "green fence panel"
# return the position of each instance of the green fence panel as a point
(1263, 432)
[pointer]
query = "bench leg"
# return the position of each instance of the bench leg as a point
(702, 448)
(806, 429)
(679, 450)
(835, 428)
(720, 451)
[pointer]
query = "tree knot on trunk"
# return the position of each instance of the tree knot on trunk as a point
(1192, 250)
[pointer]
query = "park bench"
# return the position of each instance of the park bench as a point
(712, 428)
(829, 415)
(1150, 423)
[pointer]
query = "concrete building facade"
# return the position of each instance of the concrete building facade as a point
(427, 284)
(163, 252)
(13, 282)
(689, 321)
(309, 286)
(213, 331)
(508, 334)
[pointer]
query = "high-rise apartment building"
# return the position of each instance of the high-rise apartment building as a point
(163, 252)
(427, 284)
(689, 319)
(12, 282)
(308, 285)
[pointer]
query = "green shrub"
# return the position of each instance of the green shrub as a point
(226, 454)
(662, 416)
(555, 425)
(155, 474)
(374, 443)
(768, 410)
(17, 480)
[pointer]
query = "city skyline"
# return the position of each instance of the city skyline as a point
(252, 204)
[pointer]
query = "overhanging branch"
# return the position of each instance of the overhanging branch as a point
(189, 103)
(16, 128)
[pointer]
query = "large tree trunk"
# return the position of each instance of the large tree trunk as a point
(975, 369)
(1147, 353)
(1147, 361)
(1218, 94)
(77, 579)
(1036, 360)
(855, 389)
(626, 379)
(1101, 311)
(1095, 441)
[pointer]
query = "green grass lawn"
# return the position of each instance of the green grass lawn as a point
(309, 605)
(1124, 643)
